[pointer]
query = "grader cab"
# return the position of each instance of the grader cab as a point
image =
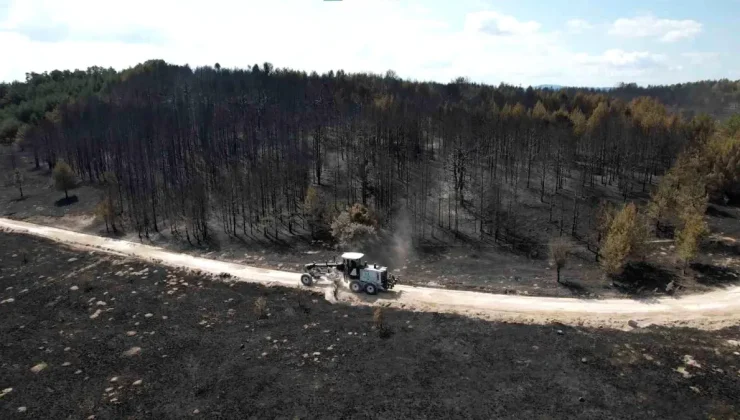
(357, 273)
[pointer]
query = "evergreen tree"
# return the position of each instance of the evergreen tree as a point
(64, 178)
(623, 241)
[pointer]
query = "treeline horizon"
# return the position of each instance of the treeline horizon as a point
(26, 102)
(183, 147)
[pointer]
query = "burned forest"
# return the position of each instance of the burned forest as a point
(276, 152)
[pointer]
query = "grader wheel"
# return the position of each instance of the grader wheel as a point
(355, 286)
(370, 289)
(306, 280)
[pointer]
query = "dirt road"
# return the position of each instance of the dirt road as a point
(712, 310)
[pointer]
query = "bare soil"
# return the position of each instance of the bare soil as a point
(445, 262)
(100, 324)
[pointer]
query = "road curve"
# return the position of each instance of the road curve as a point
(717, 309)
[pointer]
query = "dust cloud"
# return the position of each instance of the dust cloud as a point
(401, 242)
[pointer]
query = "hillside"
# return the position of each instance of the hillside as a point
(245, 145)
(717, 98)
(264, 158)
(115, 338)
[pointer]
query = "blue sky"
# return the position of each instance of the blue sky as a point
(576, 42)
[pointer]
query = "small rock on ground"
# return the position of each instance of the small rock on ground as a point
(133, 351)
(39, 367)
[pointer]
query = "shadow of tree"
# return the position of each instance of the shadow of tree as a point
(716, 212)
(642, 277)
(66, 201)
(577, 290)
(713, 275)
(720, 247)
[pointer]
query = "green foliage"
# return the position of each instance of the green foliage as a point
(26, 103)
(64, 178)
(604, 216)
(689, 237)
(648, 112)
(598, 118)
(663, 200)
(719, 162)
(682, 191)
(625, 239)
(9, 126)
(701, 128)
(539, 112)
(707, 96)
(579, 122)
(732, 126)
(691, 198)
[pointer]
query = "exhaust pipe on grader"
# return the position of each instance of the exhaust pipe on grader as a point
(359, 274)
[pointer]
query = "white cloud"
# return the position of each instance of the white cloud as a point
(577, 26)
(494, 23)
(358, 35)
(666, 30)
(616, 58)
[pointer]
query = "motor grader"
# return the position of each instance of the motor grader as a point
(360, 275)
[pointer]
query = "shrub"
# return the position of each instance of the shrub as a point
(104, 210)
(378, 318)
(362, 215)
(559, 251)
(18, 181)
(354, 226)
(260, 307)
(384, 331)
